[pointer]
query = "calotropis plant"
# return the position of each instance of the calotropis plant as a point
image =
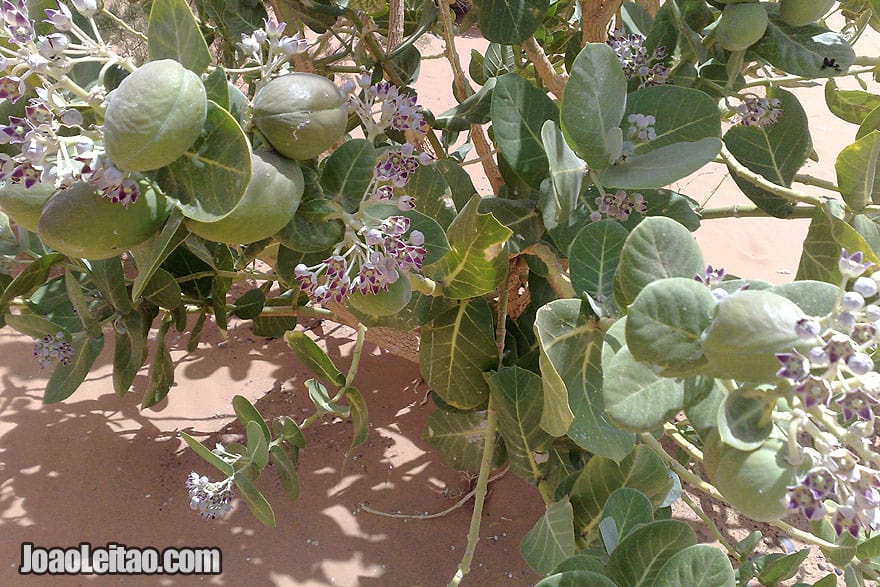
(566, 322)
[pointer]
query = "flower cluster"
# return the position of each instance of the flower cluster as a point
(212, 499)
(279, 48)
(760, 112)
(52, 349)
(633, 57)
(382, 106)
(618, 206)
(641, 127)
(54, 146)
(837, 391)
(367, 260)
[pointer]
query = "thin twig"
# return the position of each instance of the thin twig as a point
(439, 514)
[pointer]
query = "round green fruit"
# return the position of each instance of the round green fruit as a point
(803, 12)
(384, 303)
(741, 25)
(754, 482)
(268, 203)
(80, 222)
(154, 116)
(747, 330)
(24, 205)
(300, 114)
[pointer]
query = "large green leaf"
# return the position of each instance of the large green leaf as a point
(517, 398)
(210, 178)
(681, 114)
(161, 370)
(65, 379)
(455, 350)
(348, 172)
(665, 323)
(314, 357)
(639, 557)
(593, 257)
(31, 277)
(205, 453)
(658, 247)
(853, 106)
(570, 359)
(662, 166)
(459, 438)
(286, 471)
(775, 152)
(510, 22)
(477, 262)
(829, 234)
(108, 276)
(432, 194)
(576, 579)
(802, 50)
(473, 110)
(551, 539)
(593, 104)
(566, 176)
(641, 469)
(36, 326)
(629, 508)
(698, 564)
(520, 216)
(857, 172)
(150, 254)
(255, 501)
(636, 398)
(232, 18)
(519, 110)
(129, 352)
(174, 34)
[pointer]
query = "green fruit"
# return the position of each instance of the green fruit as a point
(384, 303)
(154, 116)
(803, 12)
(754, 482)
(741, 26)
(300, 114)
(268, 203)
(24, 205)
(80, 222)
(748, 329)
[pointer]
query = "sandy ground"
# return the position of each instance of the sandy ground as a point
(97, 469)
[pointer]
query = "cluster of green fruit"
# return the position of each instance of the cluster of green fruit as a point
(744, 22)
(153, 118)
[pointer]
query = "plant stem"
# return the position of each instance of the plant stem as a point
(462, 91)
(488, 448)
(554, 81)
(687, 476)
(748, 211)
(757, 180)
(356, 355)
(439, 514)
(713, 528)
(769, 81)
(816, 181)
(123, 25)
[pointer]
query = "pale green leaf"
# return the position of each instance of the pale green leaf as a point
(551, 539)
(477, 262)
(455, 349)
